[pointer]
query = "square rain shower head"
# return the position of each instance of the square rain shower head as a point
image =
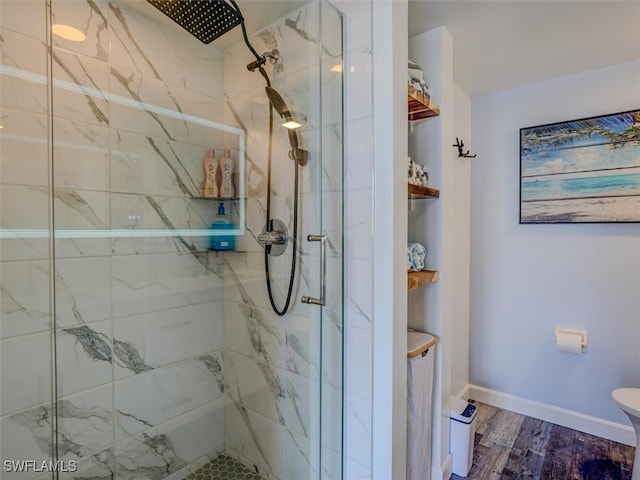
(204, 19)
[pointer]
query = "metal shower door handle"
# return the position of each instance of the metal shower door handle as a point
(323, 271)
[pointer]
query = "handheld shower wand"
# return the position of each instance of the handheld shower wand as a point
(208, 20)
(299, 155)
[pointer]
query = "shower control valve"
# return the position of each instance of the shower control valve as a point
(274, 237)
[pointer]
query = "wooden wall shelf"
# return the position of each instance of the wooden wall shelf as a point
(417, 279)
(420, 106)
(418, 191)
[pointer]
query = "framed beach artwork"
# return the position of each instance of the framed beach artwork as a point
(581, 171)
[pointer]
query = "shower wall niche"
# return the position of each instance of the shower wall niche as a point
(153, 354)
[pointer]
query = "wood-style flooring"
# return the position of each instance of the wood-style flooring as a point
(512, 446)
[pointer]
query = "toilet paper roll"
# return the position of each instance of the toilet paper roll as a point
(569, 342)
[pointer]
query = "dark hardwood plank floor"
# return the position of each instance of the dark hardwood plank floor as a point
(509, 446)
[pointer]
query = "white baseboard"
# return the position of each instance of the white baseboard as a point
(442, 472)
(549, 413)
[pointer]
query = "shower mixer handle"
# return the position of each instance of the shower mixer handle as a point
(274, 237)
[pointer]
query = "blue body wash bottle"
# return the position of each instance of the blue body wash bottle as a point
(220, 241)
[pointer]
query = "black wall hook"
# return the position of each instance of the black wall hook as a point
(461, 152)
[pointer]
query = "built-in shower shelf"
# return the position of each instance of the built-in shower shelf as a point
(418, 191)
(422, 277)
(421, 106)
(187, 252)
(220, 199)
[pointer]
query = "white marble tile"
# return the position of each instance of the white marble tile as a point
(146, 165)
(161, 213)
(249, 110)
(82, 298)
(359, 296)
(99, 466)
(332, 463)
(332, 158)
(254, 332)
(302, 414)
(358, 22)
(80, 86)
(358, 87)
(359, 360)
(358, 428)
(301, 92)
(168, 336)
(359, 159)
(81, 155)
(236, 58)
(258, 440)
(21, 442)
(33, 211)
(333, 225)
(155, 282)
(298, 40)
(24, 298)
(84, 357)
(332, 25)
(357, 471)
(303, 345)
(245, 279)
(254, 223)
(257, 386)
(91, 18)
(149, 43)
(81, 211)
(170, 447)
(24, 247)
(13, 13)
(85, 423)
(26, 368)
(25, 89)
(359, 224)
(331, 428)
(302, 458)
(332, 355)
(141, 114)
(157, 396)
(24, 159)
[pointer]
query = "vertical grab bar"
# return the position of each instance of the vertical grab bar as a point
(323, 271)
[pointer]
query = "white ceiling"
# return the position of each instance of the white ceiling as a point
(504, 44)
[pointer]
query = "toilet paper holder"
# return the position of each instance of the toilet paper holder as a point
(575, 334)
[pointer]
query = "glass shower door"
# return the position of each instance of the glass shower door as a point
(168, 355)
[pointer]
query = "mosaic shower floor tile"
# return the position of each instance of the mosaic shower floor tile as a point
(223, 467)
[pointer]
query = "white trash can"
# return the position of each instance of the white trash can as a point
(463, 429)
(420, 353)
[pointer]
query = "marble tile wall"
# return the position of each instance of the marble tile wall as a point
(288, 369)
(359, 227)
(139, 320)
(146, 324)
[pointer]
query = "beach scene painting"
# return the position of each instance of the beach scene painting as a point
(581, 171)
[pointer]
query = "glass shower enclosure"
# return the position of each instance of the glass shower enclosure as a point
(132, 345)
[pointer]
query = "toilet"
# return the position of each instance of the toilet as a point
(628, 399)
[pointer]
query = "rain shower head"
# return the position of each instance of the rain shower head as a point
(204, 19)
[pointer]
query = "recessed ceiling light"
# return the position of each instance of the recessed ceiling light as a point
(68, 32)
